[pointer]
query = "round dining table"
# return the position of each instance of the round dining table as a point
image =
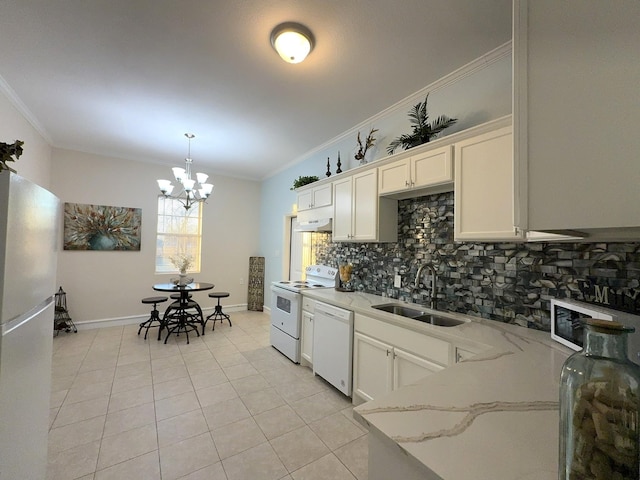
(177, 318)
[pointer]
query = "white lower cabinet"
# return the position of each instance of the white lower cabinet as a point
(404, 358)
(306, 340)
(372, 367)
(463, 354)
(409, 368)
(306, 343)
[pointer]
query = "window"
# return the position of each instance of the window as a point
(179, 232)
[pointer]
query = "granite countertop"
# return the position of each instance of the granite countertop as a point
(493, 416)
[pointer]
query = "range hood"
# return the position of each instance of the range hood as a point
(320, 225)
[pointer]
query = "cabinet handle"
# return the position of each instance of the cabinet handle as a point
(394, 354)
(413, 184)
(387, 353)
(406, 183)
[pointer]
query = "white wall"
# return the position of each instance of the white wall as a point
(35, 162)
(103, 285)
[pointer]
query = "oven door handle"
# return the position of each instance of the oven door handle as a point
(284, 293)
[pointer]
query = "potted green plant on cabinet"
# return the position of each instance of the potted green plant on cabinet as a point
(422, 130)
(10, 152)
(303, 180)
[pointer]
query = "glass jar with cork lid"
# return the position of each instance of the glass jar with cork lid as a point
(599, 407)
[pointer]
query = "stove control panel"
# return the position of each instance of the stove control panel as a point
(321, 271)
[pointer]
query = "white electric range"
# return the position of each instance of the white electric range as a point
(286, 307)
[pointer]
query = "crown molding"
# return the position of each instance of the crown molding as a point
(19, 105)
(470, 68)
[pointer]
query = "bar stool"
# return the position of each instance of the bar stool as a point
(155, 316)
(177, 317)
(218, 314)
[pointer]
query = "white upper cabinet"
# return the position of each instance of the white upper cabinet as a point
(394, 177)
(484, 188)
(576, 113)
(426, 169)
(360, 215)
(315, 203)
(315, 197)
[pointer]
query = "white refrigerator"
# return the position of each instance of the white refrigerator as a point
(29, 238)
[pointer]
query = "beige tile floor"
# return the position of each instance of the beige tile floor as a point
(225, 407)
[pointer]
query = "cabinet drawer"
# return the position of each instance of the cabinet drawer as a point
(420, 344)
(308, 305)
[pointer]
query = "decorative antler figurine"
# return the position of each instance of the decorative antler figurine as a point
(362, 149)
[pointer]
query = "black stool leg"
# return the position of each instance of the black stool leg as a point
(147, 324)
(218, 314)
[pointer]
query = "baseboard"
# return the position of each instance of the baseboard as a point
(136, 319)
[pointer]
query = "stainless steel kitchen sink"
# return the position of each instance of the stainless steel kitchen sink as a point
(400, 310)
(439, 321)
(417, 314)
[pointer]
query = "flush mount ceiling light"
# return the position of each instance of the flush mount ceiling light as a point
(292, 41)
(192, 191)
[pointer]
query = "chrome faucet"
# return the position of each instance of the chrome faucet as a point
(432, 271)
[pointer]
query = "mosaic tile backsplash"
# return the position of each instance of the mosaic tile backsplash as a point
(508, 282)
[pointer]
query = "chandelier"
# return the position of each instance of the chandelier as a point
(193, 191)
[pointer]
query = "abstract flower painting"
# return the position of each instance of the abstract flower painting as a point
(100, 227)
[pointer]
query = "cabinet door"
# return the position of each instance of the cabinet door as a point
(432, 168)
(409, 368)
(305, 200)
(571, 58)
(365, 206)
(342, 199)
(322, 196)
(463, 354)
(372, 367)
(306, 342)
(484, 192)
(394, 177)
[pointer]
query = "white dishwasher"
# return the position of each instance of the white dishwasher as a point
(332, 345)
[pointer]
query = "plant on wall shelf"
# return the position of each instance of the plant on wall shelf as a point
(10, 152)
(302, 181)
(368, 143)
(422, 130)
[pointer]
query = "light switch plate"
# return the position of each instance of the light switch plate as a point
(397, 281)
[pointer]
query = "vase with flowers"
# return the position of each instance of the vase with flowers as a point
(182, 262)
(362, 148)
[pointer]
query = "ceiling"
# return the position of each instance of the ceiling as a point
(127, 78)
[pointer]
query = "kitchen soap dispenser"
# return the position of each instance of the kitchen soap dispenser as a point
(599, 406)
